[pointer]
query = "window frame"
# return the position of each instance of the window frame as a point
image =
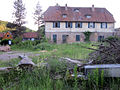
(56, 24)
(54, 38)
(91, 24)
(78, 25)
(104, 25)
(68, 24)
(100, 38)
(77, 37)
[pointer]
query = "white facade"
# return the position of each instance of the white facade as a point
(49, 28)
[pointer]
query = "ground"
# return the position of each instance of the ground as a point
(74, 51)
(6, 56)
(42, 78)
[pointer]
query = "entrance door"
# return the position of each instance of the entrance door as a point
(55, 38)
(64, 38)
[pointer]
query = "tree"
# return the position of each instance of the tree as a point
(38, 15)
(41, 32)
(19, 15)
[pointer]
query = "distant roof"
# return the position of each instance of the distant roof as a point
(30, 35)
(55, 13)
(1, 35)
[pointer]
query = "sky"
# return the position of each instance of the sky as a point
(6, 8)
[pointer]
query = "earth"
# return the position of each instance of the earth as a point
(5, 56)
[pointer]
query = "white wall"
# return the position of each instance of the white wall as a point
(49, 28)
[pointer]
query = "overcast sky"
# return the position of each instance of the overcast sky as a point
(6, 8)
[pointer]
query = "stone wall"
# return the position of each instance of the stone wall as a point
(94, 35)
(71, 37)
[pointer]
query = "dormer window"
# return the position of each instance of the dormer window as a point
(64, 15)
(88, 16)
(76, 10)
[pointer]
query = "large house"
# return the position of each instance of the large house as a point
(65, 24)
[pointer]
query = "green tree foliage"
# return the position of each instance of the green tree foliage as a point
(41, 32)
(19, 16)
(38, 15)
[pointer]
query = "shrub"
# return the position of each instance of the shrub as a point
(17, 40)
(87, 36)
(24, 45)
(113, 38)
(43, 46)
(5, 41)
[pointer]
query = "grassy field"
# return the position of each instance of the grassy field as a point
(74, 51)
(43, 78)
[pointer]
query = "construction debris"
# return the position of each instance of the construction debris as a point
(108, 52)
(5, 48)
(25, 63)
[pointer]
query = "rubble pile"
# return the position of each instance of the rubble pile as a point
(108, 52)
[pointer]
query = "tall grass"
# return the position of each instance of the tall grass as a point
(43, 78)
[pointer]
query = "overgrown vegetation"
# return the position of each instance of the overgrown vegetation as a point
(42, 79)
(46, 76)
(87, 36)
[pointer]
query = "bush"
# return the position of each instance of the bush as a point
(43, 46)
(113, 38)
(87, 36)
(5, 41)
(17, 40)
(24, 45)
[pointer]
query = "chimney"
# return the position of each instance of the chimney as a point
(57, 4)
(93, 8)
(66, 8)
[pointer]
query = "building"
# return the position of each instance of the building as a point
(65, 24)
(30, 36)
(1, 35)
(7, 35)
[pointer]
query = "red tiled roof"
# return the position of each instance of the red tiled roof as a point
(1, 35)
(54, 13)
(30, 35)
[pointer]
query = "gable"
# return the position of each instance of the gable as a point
(7, 35)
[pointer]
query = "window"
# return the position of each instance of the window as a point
(56, 24)
(91, 25)
(78, 25)
(68, 24)
(88, 16)
(77, 37)
(100, 38)
(54, 38)
(76, 10)
(103, 25)
(7, 35)
(64, 15)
